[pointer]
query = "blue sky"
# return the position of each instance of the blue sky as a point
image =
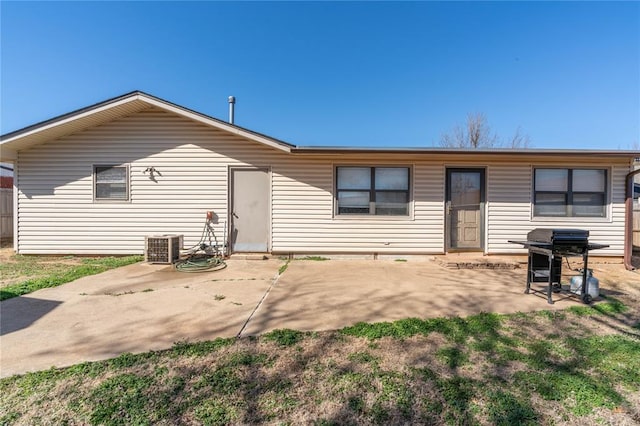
(337, 73)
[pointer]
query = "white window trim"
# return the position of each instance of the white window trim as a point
(372, 217)
(111, 200)
(608, 218)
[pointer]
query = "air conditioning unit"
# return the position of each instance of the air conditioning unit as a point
(162, 248)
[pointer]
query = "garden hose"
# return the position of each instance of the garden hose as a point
(200, 263)
(205, 255)
(208, 241)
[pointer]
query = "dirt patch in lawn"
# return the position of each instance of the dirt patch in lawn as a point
(23, 274)
(15, 268)
(617, 282)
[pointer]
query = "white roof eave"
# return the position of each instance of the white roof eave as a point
(109, 111)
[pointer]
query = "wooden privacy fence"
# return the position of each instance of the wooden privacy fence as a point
(6, 213)
(636, 227)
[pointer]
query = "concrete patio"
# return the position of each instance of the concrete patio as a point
(325, 295)
(145, 307)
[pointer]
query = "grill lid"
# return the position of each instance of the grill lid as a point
(548, 235)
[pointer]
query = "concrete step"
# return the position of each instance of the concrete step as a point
(251, 256)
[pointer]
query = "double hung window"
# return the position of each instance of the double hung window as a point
(111, 183)
(381, 191)
(570, 192)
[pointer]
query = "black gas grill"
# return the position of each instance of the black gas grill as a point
(547, 247)
(560, 239)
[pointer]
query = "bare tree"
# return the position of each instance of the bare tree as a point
(519, 141)
(631, 146)
(476, 133)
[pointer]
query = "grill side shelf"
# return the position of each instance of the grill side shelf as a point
(545, 263)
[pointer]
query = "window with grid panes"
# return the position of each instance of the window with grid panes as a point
(570, 192)
(380, 191)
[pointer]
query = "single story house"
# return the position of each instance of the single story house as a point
(98, 180)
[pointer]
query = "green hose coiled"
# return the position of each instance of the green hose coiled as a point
(200, 263)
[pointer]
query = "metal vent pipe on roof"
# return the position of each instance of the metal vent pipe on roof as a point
(232, 102)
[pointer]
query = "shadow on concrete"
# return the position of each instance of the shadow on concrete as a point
(316, 296)
(133, 309)
(305, 301)
(21, 312)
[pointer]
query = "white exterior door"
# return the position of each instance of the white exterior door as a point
(250, 210)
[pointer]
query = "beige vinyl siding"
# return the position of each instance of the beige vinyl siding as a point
(56, 206)
(509, 196)
(58, 213)
(303, 218)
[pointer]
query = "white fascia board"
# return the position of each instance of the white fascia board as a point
(76, 117)
(11, 145)
(217, 124)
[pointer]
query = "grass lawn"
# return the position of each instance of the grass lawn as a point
(578, 366)
(25, 274)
